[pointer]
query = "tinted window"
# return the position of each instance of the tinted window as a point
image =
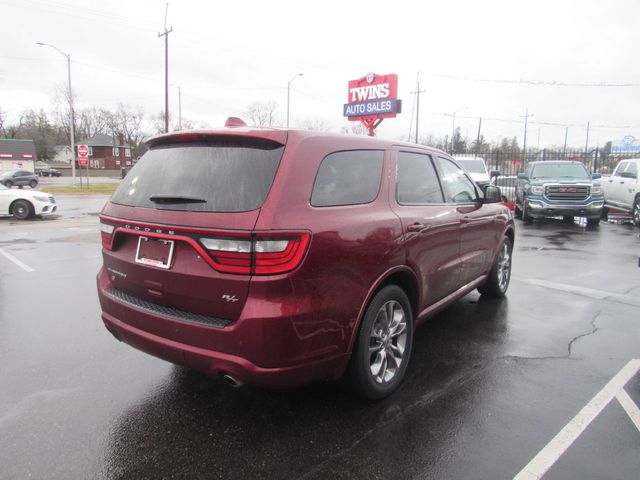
(348, 178)
(458, 188)
(223, 176)
(632, 168)
(417, 180)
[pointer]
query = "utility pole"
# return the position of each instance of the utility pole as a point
(417, 94)
(165, 34)
(526, 121)
(478, 137)
(179, 105)
(586, 146)
(564, 150)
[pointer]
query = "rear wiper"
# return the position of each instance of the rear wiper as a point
(176, 199)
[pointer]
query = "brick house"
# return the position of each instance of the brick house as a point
(107, 152)
(17, 154)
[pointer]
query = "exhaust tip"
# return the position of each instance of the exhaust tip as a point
(234, 382)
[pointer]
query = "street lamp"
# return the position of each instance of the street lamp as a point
(71, 119)
(179, 105)
(289, 94)
(453, 125)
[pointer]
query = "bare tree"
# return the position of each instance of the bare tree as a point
(316, 124)
(262, 114)
(354, 129)
(128, 125)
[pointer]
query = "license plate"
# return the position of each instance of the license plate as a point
(154, 252)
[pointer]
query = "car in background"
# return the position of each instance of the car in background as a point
(19, 178)
(281, 257)
(622, 189)
(559, 188)
(507, 186)
(476, 168)
(23, 204)
(51, 172)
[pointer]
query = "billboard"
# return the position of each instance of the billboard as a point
(371, 99)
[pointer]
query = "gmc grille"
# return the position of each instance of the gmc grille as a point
(567, 192)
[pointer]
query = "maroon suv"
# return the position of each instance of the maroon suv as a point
(280, 257)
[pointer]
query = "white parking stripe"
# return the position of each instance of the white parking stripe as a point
(22, 265)
(550, 454)
(630, 407)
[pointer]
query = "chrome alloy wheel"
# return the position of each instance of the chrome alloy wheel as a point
(636, 213)
(387, 342)
(504, 266)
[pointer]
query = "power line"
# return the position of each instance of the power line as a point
(552, 83)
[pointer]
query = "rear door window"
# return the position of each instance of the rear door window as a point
(417, 180)
(348, 178)
(219, 176)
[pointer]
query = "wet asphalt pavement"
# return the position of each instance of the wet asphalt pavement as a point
(490, 382)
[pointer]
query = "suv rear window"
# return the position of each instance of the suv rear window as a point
(220, 176)
(348, 178)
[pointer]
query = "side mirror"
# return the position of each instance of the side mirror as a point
(596, 176)
(522, 176)
(628, 175)
(494, 174)
(492, 194)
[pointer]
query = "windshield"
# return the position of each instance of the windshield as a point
(2, 187)
(221, 176)
(472, 165)
(9, 173)
(560, 170)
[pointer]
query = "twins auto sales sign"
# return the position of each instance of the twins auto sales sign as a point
(372, 98)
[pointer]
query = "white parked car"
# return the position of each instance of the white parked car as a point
(23, 204)
(476, 168)
(622, 188)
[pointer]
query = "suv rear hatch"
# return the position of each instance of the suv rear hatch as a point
(178, 231)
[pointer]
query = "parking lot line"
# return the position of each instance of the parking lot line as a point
(22, 265)
(550, 454)
(629, 406)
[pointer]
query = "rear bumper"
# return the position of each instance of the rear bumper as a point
(539, 208)
(263, 347)
(212, 362)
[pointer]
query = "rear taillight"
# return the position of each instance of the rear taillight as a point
(106, 230)
(258, 254)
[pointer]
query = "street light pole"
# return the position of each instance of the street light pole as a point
(453, 125)
(179, 105)
(71, 116)
(289, 94)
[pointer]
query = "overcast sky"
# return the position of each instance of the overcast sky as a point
(226, 55)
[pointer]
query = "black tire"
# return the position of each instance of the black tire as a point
(604, 215)
(525, 213)
(635, 213)
(500, 274)
(8, 184)
(593, 222)
(518, 212)
(33, 183)
(21, 209)
(375, 344)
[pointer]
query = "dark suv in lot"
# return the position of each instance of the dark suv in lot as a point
(280, 257)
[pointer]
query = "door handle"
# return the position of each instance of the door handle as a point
(416, 227)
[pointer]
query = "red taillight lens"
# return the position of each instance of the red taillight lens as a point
(231, 255)
(260, 254)
(279, 253)
(106, 231)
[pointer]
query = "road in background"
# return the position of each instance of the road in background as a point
(489, 385)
